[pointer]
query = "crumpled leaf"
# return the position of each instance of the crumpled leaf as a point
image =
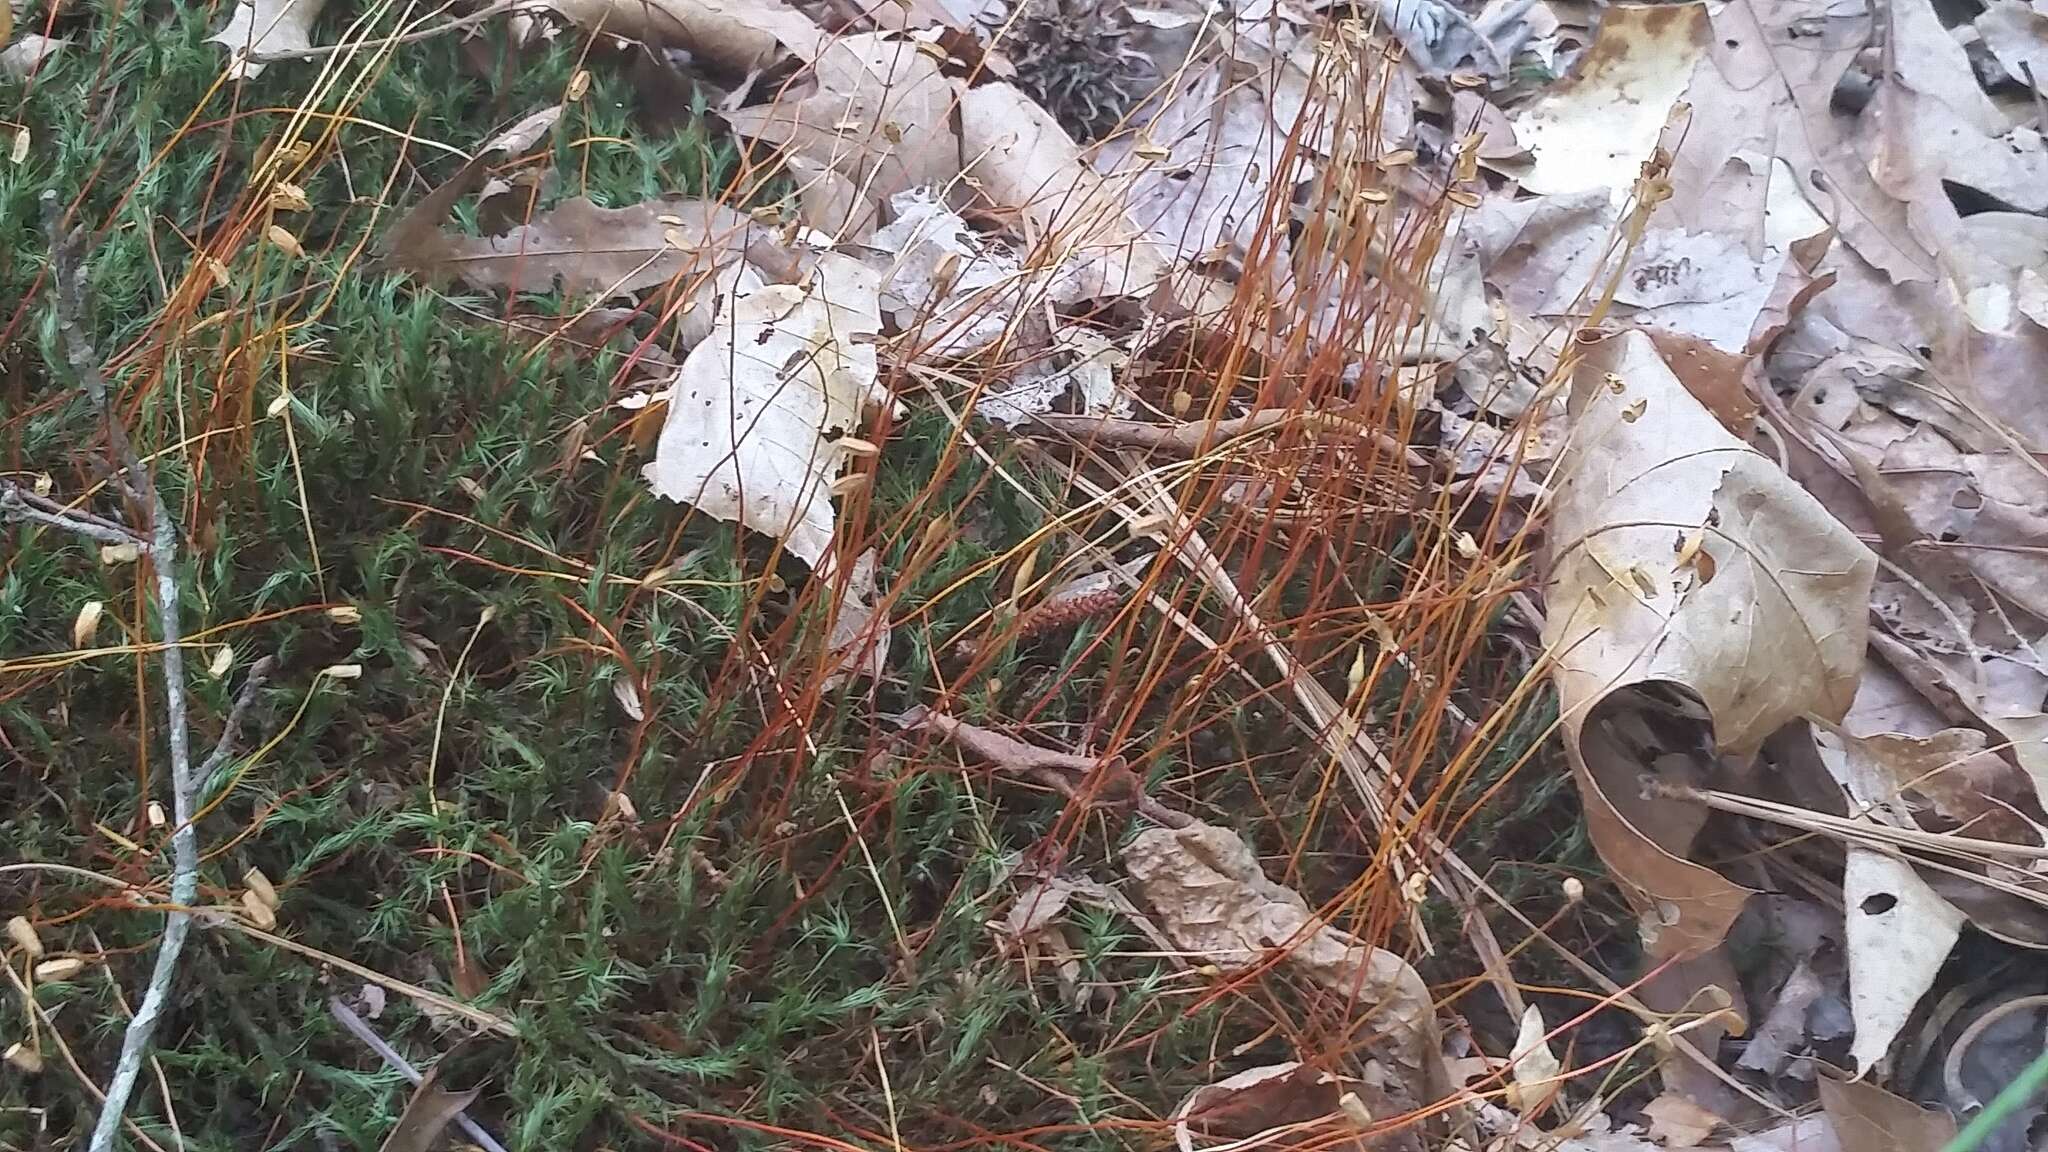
(1081, 364)
(1594, 130)
(951, 292)
(588, 251)
(1930, 94)
(756, 411)
(1681, 556)
(1773, 629)
(1899, 932)
(878, 113)
(1021, 159)
(20, 59)
(264, 27)
(1761, 100)
(1208, 894)
(738, 35)
(1306, 1104)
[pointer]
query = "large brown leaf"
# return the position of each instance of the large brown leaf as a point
(1681, 556)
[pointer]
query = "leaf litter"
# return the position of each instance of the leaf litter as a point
(1786, 479)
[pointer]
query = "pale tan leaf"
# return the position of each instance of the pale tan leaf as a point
(1535, 1068)
(1021, 159)
(1681, 556)
(431, 1109)
(264, 27)
(1208, 894)
(858, 641)
(1676, 1122)
(1899, 933)
(878, 112)
(590, 252)
(755, 411)
(739, 35)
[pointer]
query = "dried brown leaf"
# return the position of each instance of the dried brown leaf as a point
(1208, 894)
(1021, 159)
(591, 252)
(1770, 630)
(877, 112)
(1676, 1122)
(1308, 1104)
(1776, 633)
(260, 27)
(431, 1109)
(738, 35)
(1869, 1119)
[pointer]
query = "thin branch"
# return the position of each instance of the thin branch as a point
(67, 266)
(19, 504)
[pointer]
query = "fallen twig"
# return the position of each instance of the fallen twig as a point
(359, 1028)
(67, 267)
(1199, 435)
(1103, 778)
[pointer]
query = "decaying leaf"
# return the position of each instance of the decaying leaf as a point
(591, 252)
(1594, 131)
(1208, 894)
(738, 35)
(431, 1109)
(1770, 630)
(757, 411)
(1676, 1122)
(1899, 933)
(1292, 1105)
(1869, 1119)
(1776, 632)
(258, 28)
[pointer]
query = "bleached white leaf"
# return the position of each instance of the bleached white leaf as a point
(1083, 363)
(1536, 1069)
(266, 27)
(952, 293)
(754, 410)
(1899, 933)
(19, 59)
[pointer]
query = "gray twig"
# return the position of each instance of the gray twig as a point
(18, 503)
(67, 266)
(361, 1030)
